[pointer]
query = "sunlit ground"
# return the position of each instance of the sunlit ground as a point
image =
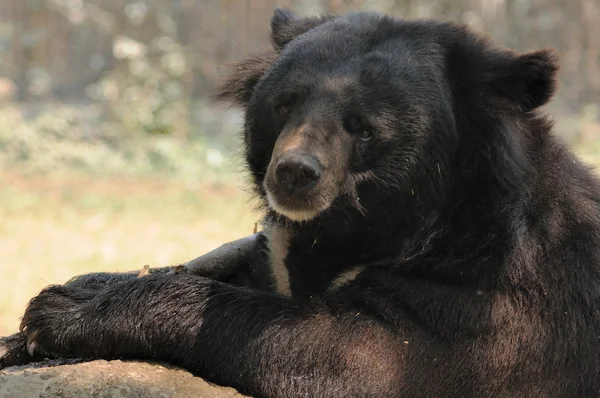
(52, 228)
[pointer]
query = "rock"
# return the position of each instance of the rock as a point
(114, 379)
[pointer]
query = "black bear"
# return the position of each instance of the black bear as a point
(425, 233)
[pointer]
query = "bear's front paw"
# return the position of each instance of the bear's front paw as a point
(13, 351)
(53, 318)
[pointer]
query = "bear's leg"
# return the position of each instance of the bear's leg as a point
(241, 262)
(262, 343)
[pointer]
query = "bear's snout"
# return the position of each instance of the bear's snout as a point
(298, 185)
(297, 172)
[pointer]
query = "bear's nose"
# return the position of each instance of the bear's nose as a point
(298, 172)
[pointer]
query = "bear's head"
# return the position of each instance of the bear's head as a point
(364, 113)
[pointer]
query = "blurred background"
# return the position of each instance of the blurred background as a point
(113, 157)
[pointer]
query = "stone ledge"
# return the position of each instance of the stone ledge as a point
(114, 379)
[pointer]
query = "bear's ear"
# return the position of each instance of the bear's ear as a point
(286, 26)
(238, 87)
(528, 79)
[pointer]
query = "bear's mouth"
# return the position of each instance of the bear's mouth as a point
(294, 214)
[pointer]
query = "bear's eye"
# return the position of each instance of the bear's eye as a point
(284, 103)
(365, 135)
(283, 110)
(355, 126)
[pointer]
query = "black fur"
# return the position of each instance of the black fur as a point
(476, 230)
